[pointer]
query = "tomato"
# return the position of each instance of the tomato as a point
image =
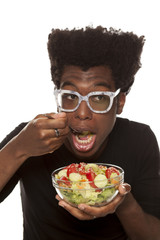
(90, 174)
(111, 170)
(72, 168)
(63, 181)
(81, 168)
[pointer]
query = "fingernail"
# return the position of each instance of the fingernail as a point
(81, 207)
(61, 204)
(127, 188)
(56, 197)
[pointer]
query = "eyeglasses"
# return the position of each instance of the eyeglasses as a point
(98, 102)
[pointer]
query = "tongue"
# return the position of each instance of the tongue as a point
(83, 137)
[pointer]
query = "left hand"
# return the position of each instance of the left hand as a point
(86, 212)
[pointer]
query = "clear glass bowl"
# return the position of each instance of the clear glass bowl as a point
(84, 193)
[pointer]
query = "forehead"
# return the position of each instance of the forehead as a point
(94, 76)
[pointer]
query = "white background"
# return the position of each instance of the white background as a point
(25, 86)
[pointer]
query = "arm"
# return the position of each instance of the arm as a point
(146, 188)
(137, 223)
(37, 138)
(11, 158)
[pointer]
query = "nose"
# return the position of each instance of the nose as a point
(83, 112)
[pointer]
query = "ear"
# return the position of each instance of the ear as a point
(120, 102)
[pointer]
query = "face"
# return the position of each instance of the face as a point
(89, 130)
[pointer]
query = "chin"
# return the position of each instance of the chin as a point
(83, 155)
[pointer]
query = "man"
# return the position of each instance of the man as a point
(93, 70)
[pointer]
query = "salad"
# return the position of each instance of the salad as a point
(90, 183)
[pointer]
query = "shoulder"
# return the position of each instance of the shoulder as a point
(12, 134)
(135, 129)
(134, 137)
(124, 122)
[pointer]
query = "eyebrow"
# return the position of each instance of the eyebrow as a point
(103, 84)
(67, 83)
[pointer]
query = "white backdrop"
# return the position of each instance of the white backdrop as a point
(25, 86)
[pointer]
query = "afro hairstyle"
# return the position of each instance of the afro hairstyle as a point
(89, 47)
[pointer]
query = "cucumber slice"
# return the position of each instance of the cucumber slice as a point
(92, 165)
(113, 175)
(100, 180)
(74, 177)
(63, 172)
(84, 133)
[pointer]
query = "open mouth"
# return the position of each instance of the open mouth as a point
(83, 140)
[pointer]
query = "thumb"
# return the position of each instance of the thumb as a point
(124, 189)
(59, 115)
(55, 115)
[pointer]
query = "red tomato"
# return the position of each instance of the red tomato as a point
(111, 170)
(90, 174)
(65, 181)
(81, 168)
(72, 168)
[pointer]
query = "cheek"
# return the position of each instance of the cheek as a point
(105, 128)
(101, 123)
(106, 122)
(70, 117)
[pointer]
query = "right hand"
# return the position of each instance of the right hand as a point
(39, 138)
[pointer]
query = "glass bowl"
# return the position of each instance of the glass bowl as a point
(95, 184)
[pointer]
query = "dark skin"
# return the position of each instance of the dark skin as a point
(95, 79)
(124, 205)
(39, 138)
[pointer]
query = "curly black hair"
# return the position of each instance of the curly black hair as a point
(89, 47)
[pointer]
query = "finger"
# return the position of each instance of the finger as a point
(59, 115)
(45, 123)
(104, 210)
(61, 132)
(94, 211)
(124, 189)
(41, 116)
(58, 197)
(75, 211)
(52, 133)
(50, 147)
(55, 115)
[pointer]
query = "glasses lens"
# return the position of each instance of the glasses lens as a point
(99, 102)
(69, 101)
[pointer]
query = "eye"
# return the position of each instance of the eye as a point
(71, 96)
(68, 96)
(69, 100)
(99, 98)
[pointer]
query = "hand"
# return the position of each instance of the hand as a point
(85, 212)
(39, 136)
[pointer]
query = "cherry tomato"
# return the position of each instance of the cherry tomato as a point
(111, 170)
(72, 168)
(90, 174)
(65, 181)
(81, 168)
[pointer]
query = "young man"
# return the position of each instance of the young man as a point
(86, 129)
